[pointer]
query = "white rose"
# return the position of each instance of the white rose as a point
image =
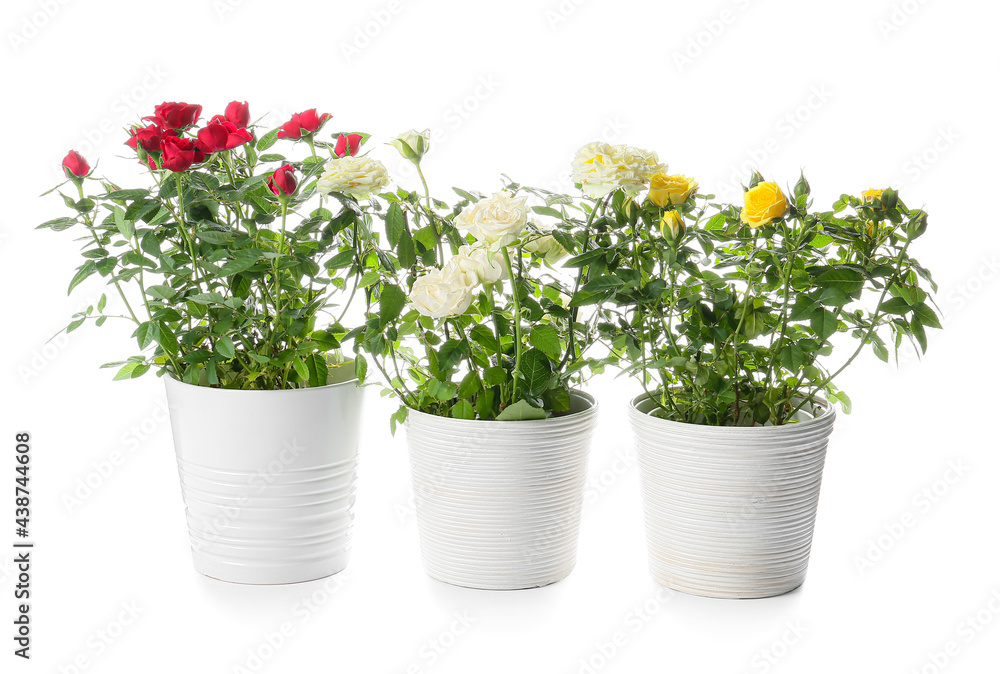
(443, 292)
(544, 245)
(356, 176)
(488, 267)
(601, 168)
(497, 221)
(413, 144)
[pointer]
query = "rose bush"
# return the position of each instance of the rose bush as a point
(231, 273)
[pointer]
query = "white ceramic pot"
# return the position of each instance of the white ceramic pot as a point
(498, 502)
(268, 478)
(730, 511)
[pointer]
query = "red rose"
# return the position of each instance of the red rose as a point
(74, 165)
(303, 123)
(180, 153)
(238, 113)
(283, 182)
(148, 137)
(347, 144)
(175, 115)
(222, 135)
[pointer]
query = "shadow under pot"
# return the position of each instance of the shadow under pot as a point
(730, 511)
(268, 478)
(498, 502)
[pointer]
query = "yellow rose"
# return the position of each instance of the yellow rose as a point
(762, 204)
(672, 225)
(664, 189)
(870, 196)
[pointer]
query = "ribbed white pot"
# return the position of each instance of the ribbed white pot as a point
(730, 511)
(498, 502)
(268, 478)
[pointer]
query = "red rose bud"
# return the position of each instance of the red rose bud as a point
(75, 166)
(238, 113)
(222, 135)
(175, 115)
(180, 153)
(347, 144)
(283, 182)
(306, 122)
(148, 137)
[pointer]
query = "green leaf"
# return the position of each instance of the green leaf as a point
(391, 304)
(535, 370)
(847, 280)
(602, 283)
(161, 292)
(520, 411)
(267, 140)
(926, 315)
(131, 371)
(300, 368)
(823, 323)
(224, 347)
(86, 270)
(545, 338)
(126, 227)
(895, 305)
(360, 368)
(405, 250)
(792, 357)
(484, 404)
(340, 260)
(483, 336)
(146, 334)
(494, 376)
(215, 238)
(470, 386)
(127, 195)
(395, 224)
(463, 410)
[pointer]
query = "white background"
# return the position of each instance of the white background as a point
(858, 93)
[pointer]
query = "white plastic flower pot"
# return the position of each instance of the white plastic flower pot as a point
(268, 478)
(730, 510)
(498, 502)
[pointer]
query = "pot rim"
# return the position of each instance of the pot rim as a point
(828, 411)
(174, 380)
(589, 400)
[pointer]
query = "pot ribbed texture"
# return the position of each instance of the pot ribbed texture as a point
(498, 502)
(730, 511)
(268, 479)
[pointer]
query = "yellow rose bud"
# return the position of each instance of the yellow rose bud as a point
(870, 196)
(672, 225)
(762, 204)
(664, 189)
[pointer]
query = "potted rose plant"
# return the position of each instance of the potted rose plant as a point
(478, 337)
(728, 316)
(235, 273)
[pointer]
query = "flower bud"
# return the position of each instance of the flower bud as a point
(413, 144)
(672, 226)
(75, 166)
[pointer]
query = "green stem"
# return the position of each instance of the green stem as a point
(517, 320)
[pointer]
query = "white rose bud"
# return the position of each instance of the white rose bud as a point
(356, 176)
(497, 221)
(545, 246)
(488, 267)
(413, 144)
(443, 292)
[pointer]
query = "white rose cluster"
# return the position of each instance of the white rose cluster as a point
(497, 221)
(601, 168)
(449, 291)
(356, 176)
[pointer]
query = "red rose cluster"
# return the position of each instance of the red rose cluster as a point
(161, 143)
